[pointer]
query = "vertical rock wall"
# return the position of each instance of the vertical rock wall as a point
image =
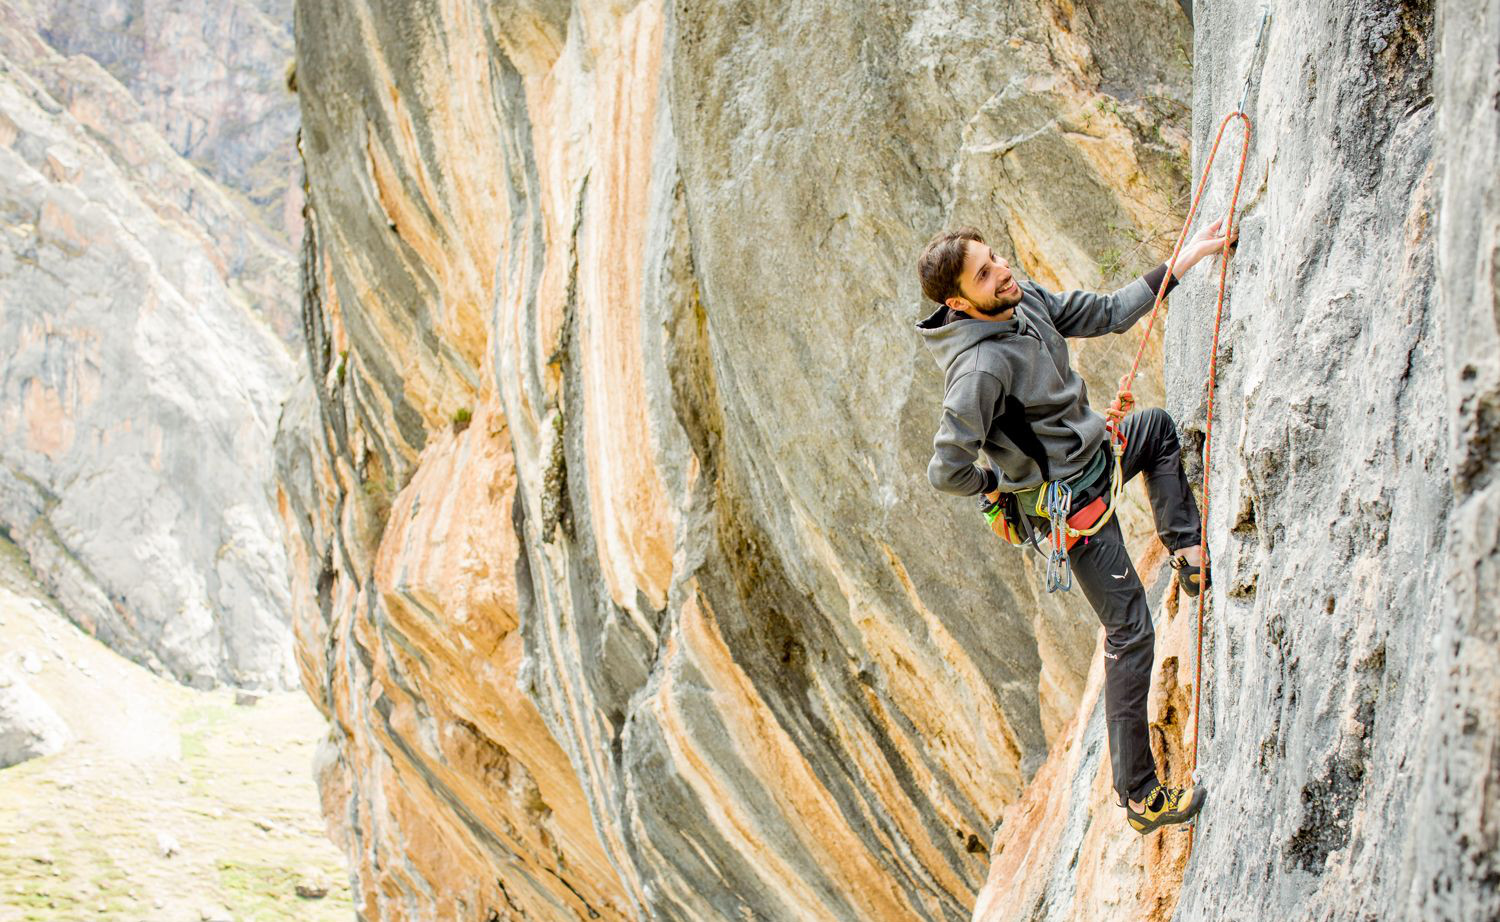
(1350, 693)
(1456, 857)
(616, 570)
(141, 377)
(1331, 456)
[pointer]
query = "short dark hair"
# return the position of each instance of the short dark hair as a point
(942, 262)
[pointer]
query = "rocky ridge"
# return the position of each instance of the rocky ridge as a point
(211, 79)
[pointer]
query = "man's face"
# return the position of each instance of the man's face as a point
(989, 291)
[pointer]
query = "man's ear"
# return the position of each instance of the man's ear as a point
(959, 304)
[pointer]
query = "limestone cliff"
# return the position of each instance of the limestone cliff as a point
(142, 372)
(615, 569)
(1350, 687)
(210, 78)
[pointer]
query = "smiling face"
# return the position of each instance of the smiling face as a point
(987, 289)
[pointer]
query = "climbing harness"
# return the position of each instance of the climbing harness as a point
(1065, 527)
(1054, 503)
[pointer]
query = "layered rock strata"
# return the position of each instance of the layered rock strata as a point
(615, 569)
(614, 565)
(142, 376)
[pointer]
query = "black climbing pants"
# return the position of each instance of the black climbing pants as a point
(1102, 568)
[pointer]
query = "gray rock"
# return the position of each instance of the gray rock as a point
(167, 844)
(1348, 583)
(312, 885)
(29, 727)
(142, 374)
(215, 912)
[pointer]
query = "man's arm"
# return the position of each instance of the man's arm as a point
(968, 409)
(1082, 313)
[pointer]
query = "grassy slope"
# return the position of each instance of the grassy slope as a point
(79, 829)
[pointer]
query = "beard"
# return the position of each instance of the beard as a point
(1000, 304)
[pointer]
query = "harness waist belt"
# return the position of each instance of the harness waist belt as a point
(1087, 478)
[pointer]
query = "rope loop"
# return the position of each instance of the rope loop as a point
(1124, 400)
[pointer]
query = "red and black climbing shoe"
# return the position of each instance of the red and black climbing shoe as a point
(1193, 579)
(1165, 806)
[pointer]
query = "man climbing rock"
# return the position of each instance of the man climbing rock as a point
(1016, 416)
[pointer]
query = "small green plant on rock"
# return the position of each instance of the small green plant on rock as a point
(1111, 263)
(461, 418)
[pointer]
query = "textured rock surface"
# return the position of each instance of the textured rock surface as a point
(607, 487)
(29, 727)
(142, 379)
(210, 77)
(614, 566)
(1351, 693)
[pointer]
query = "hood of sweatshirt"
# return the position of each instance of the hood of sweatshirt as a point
(948, 340)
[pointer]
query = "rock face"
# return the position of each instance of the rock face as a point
(142, 378)
(211, 78)
(1350, 686)
(614, 565)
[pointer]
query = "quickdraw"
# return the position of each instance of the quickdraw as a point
(1057, 498)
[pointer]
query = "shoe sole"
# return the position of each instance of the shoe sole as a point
(1192, 812)
(1192, 590)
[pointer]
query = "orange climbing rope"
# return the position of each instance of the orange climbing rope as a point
(1124, 400)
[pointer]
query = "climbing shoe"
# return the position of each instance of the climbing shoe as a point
(1165, 806)
(1190, 576)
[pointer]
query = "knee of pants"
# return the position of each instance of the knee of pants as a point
(1132, 629)
(1161, 421)
(1134, 653)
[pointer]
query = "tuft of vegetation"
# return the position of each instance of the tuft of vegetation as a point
(1111, 264)
(461, 418)
(555, 506)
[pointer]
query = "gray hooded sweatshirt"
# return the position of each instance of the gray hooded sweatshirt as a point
(1010, 394)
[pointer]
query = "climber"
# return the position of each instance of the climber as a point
(1012, 397)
